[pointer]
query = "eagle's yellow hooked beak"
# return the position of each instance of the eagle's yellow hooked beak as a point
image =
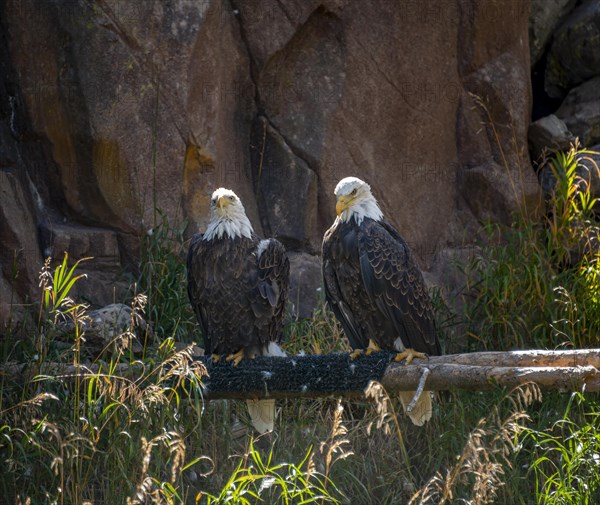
(342, 204)
(223, 202)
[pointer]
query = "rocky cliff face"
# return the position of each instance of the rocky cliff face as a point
(112, 108)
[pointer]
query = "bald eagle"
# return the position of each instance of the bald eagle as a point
(374, 286)
(238, 287)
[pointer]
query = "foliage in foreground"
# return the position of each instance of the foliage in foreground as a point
(566, 455)
(68, 438)
(162, 279)
(537, 285)
(97, 433)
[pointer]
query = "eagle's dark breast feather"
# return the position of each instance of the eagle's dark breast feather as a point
(375, 288)
(239, 298)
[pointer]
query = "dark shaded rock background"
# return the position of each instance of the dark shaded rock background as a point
(574, 55)
(546, 16)
(112, 108)
(564, 41)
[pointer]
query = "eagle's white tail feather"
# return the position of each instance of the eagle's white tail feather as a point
(262, 414)
(423, 409)
(274, 350)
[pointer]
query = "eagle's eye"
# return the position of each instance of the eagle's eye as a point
(231, 197)
(353, 193)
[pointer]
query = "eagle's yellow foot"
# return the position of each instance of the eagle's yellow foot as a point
(409, 355)
(236, 358)
(356, 353)
(373, 347)
(215, 358)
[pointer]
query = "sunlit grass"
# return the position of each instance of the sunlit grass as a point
(565, 457)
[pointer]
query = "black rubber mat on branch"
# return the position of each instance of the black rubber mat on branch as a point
(294, 375)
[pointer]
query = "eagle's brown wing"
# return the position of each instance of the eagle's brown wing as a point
(394, 283)
(273, 272)
(342, 280)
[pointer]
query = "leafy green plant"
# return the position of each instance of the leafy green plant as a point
(571, 208)
(57, 304)
(56, 287)
(256, 480)
(566, 456)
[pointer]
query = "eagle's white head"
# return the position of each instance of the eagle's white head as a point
(354, 199)
(227, 216)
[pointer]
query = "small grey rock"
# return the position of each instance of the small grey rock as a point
(548, 134)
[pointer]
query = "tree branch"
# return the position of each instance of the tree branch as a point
(313, 376)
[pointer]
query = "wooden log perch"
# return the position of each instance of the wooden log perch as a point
(312, 376)
(337, 375)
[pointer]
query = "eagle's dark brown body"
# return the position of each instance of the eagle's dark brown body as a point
(375, 288)
(238, 289)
